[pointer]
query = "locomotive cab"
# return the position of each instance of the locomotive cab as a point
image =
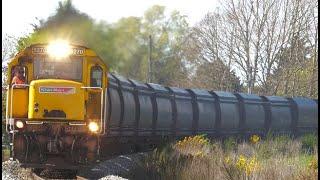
(56, 113)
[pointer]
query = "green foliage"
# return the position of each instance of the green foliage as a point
(282, 139)
(285, 145)
(264, 151)
(124, 44)
(5, 135)
(5, 154)
(309, 142)
(281, 143)
(163, 164)
(230, 144)
(4, 97)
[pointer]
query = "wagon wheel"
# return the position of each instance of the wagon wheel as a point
(34, 152)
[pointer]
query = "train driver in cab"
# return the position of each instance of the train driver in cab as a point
(18, 76)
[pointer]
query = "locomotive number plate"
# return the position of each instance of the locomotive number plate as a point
(77, 52)
(39, 50)
(43, 50)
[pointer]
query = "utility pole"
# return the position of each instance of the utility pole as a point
(149, 75)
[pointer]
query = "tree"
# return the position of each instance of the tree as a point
(210, 60)
(271, 46)
(129, 46)
(246, 21)
(76, 27)
(124, 44)
(313, 41)
(261, 39)
(167, 36)
(208, 76)
(295, 68)
(8, 51)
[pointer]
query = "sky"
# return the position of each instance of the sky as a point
(17, 15)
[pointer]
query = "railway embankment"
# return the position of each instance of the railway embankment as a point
(11, 170)
(113, 169)
(280, 157)
(120, 166)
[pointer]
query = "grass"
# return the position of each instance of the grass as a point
(5, 154)
(197, 157)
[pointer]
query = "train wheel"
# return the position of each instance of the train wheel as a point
(20, 147)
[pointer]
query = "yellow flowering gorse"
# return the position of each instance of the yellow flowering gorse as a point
(255, 139)
(192, 141)
(227, 160)
(313, 164)
(247, 165)
(192, 145)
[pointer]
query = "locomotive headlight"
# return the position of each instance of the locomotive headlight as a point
(19, 124)
(93, 127)
(59, 49)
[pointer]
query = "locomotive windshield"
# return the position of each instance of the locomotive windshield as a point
(67, 68)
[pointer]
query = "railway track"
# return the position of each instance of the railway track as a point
(114, 167)
(37, 177)
(46, 174)
(55, 174)
(81, 178)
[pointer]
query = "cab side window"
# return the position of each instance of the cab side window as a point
(18, 75)
(96, 76)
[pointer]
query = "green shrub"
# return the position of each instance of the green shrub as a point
(309, 142)
(264, 151)
(282, 139)
(163, 163)
(281, 143)
(230, 144)
(5, 154)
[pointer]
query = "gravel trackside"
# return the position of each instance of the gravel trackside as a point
(113, 168)
(12, 170)
(111, 177)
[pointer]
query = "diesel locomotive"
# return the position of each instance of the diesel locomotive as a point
(65, 110)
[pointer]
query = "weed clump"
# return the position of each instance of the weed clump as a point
(309, 142)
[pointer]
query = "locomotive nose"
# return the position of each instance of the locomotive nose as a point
(56, 99)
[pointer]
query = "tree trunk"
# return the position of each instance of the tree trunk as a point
(315, 53)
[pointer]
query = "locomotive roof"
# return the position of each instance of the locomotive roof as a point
(27, 51)
(45, 44)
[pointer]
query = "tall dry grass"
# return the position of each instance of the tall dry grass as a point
(278, 158)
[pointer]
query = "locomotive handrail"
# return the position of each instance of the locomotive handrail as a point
(11, 102)
(101, 107)
(5, 87)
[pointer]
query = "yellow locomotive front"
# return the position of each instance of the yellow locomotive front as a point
(55, 105)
